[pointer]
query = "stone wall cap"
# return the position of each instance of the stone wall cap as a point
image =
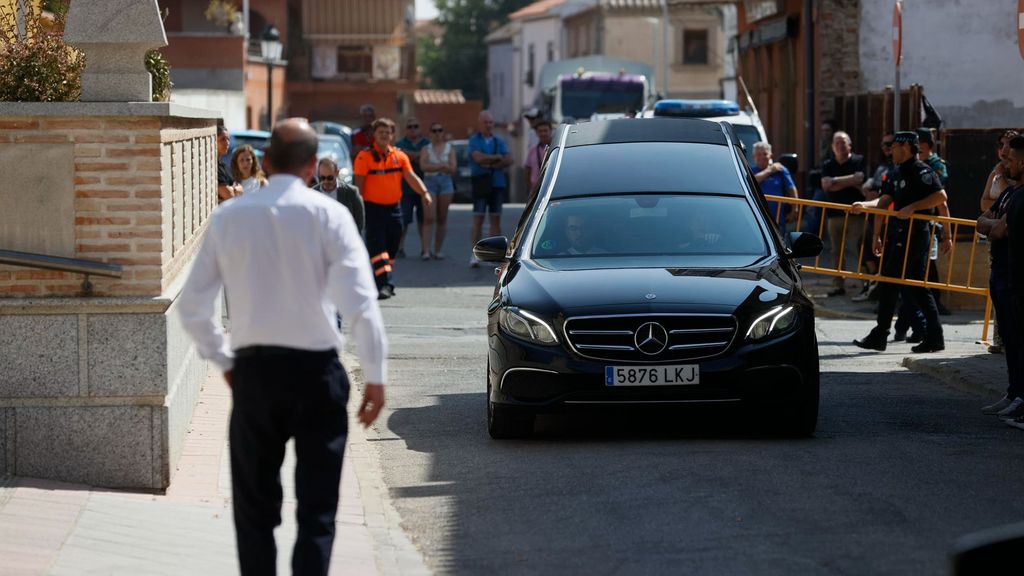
(89, 305)
(115, 22)
(75, 109)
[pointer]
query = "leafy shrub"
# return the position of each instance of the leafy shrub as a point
(161, 73)
(37, 66)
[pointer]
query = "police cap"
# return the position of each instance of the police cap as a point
(906, 136)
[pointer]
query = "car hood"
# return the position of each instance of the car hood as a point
(655, 289)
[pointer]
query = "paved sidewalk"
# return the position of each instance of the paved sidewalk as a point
(56, 528)
(965, 364)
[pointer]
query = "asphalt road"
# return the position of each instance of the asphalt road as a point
(900, 467)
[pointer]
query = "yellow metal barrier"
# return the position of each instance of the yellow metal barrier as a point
(956, 226)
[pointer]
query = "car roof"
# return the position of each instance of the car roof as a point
(329, 137)
(627, 130)
(251, 133)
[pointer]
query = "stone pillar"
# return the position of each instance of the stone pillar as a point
(100, 389)
(115, 35)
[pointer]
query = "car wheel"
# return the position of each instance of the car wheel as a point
(505, 422)
(801, 414)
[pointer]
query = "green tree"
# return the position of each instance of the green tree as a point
(459, 61)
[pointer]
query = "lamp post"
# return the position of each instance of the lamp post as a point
(270, 49)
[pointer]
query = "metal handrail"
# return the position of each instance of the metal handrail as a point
(61, 264)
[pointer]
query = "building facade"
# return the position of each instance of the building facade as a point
(345, 54)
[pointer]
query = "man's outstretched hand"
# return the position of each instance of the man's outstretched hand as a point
(373, 401)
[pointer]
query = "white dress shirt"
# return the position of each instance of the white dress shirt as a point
(289, 258)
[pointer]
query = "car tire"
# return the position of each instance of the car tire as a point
(506, 422)
(801, 413)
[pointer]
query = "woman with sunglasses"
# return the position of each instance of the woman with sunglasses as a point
(438, 163)
(246, 169)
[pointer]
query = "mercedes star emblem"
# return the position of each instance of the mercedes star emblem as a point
(650, 296)
(651, 338)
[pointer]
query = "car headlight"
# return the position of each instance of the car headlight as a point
(525, 325)
(776, 321)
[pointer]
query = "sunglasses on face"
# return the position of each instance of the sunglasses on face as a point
(327, 178)
(437, 130)
(411, 126)
(886, 144)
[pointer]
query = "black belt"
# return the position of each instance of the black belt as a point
(257, 351)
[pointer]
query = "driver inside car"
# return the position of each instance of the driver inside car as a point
(579, 233)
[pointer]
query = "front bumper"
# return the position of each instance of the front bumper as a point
(551, 378)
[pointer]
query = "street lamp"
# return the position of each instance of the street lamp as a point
(270, 49)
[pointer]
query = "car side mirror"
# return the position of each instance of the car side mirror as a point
(988, 551)
(492, 249)
(804, 245)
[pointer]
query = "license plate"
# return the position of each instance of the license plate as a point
(680, 374)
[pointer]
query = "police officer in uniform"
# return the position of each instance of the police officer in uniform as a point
(916, 189)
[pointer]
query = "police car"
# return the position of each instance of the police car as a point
(747, 124)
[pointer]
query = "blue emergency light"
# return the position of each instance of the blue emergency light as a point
(696, 108)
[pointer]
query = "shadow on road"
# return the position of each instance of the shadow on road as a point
(895, 473)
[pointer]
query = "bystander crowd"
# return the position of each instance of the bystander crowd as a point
(439, 167)
(412, 206)
(775, 180)
(329, 182)
(841, 179)
(246, 169)
(1004, 225)
(489, 156)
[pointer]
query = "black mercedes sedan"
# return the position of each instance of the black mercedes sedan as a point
(646, 270)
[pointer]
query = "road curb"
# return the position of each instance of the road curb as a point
(826, 312)
(951, 371)
(394, 552)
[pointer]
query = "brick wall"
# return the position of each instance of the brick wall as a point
(838, 46)
(144, 188)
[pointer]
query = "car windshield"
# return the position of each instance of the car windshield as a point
(642, 225)
(749, 136)
(583, 98)
(335, 148)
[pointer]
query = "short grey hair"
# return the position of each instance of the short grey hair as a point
(763, 146)
(844, 136)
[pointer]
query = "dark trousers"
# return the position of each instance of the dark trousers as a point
(383, 234)
(909, 316)
(282, 393)
(1010, 331)
(892, 266)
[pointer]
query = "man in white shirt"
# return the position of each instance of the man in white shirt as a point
(289, 259)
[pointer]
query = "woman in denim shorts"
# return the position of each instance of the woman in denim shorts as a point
(438, 163)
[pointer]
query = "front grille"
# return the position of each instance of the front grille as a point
(683, 336)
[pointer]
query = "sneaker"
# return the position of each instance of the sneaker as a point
(473, 262)
(915, 338)
(925, 347)
(899, 336)
(875, 340)
(993, 409)
(438, 255)
(1013, 410)
(1017, 422)
(837, 292)
(385, 292)
(862, 297)
(425, 256)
